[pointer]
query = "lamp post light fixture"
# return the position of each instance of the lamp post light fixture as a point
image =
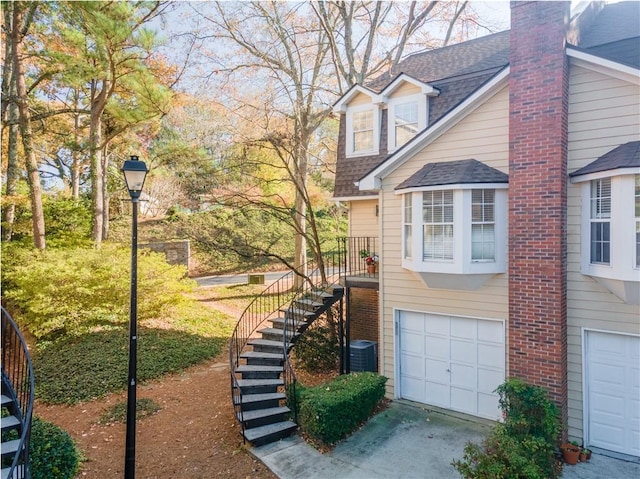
(135, 172)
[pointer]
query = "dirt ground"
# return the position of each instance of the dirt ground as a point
(194, 435)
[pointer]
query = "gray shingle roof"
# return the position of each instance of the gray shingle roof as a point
(623, 156)
(616, 21)
(453, 173)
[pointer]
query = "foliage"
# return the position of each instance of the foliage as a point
(523, 446)
(145, 407)
(53, 453)
(87, 288)
(318, 348)
(68, 221)
(331, 411)
(76, 369)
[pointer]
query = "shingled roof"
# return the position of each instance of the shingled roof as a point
(457, 71)
(623, 156)
(453, 173)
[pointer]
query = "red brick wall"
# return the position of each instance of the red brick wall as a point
(538, 99)
(364, 314)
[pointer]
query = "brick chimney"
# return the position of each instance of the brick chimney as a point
(538, 111)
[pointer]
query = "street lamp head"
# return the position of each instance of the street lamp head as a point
(135, 172)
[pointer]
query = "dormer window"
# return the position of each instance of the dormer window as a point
(363, 130)
(407, 116)
(461, 210)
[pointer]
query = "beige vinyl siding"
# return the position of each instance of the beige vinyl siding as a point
(482, 135)
(360, 99)
(603, 114)
(405, 89)
(363, 220)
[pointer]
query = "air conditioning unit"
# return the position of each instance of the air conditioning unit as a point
(364, 355)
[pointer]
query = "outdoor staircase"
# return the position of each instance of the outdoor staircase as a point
(16, 402)
(262, 374)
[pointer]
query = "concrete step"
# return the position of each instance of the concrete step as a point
(278, 323)
(269, 433)
(9, 448)
(18, 473)
(297, 313)
(308, 304)
(275, 334)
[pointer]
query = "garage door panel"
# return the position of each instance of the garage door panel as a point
(437, 325)
(437, 347)
(487, 406)
(463, 375)
(411, 343)
(490, 354)
(412, 322)
(463, 351)
(489, 380)
(463, 400)
(491, 331)
(413, 388)
(437, 394)
(463, 328)
(437, 371)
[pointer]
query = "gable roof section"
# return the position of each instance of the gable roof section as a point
(622, 157)
(341, 104)
(615, 22)
(458, 172)
(371, 181)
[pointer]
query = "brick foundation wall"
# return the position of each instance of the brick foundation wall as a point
(364, 314)
(538, 99)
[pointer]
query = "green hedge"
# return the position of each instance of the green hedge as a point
(332, 411)
(53, 453)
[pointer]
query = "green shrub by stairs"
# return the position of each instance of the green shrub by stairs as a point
(332, 411)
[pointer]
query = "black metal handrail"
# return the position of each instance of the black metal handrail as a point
(18, 384)
(313, 287)
(356, 247)
(270, 302)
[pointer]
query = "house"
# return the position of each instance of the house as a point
(497, 179)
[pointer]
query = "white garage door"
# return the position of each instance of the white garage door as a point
(613, 391)
(451, 362)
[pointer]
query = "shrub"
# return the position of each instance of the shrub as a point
(523, 446)
(331, 411)
(85, 288)
(318, 348)
(53, 453)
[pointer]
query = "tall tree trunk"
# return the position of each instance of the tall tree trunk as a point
(75, 156)
(98, 103)
(105, 194)
(33, 175)
(13, 172)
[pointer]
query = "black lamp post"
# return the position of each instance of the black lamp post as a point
(135, 172)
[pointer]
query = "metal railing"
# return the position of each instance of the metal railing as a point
(278, 296)
(357, 249)
(18, 384)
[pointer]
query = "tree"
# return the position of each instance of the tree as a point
(301, 57)
(21, 20)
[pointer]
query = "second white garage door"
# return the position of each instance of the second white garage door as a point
(451, 362)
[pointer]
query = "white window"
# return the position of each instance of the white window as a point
(601, 220)
(610, 230)
(405, 122)
(449, 232)
(407, 228)
(437, 214)
(362, 130)
(407, 115)
(483, 237)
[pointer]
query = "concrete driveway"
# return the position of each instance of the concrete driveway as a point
(406, 441)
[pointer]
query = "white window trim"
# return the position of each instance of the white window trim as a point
(622, 265)
(462, 264)
(423, 114)
(349, 130)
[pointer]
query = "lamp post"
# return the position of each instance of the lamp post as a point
(135, 172)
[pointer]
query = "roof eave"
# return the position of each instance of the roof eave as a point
(372, 180)
(603, 65)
